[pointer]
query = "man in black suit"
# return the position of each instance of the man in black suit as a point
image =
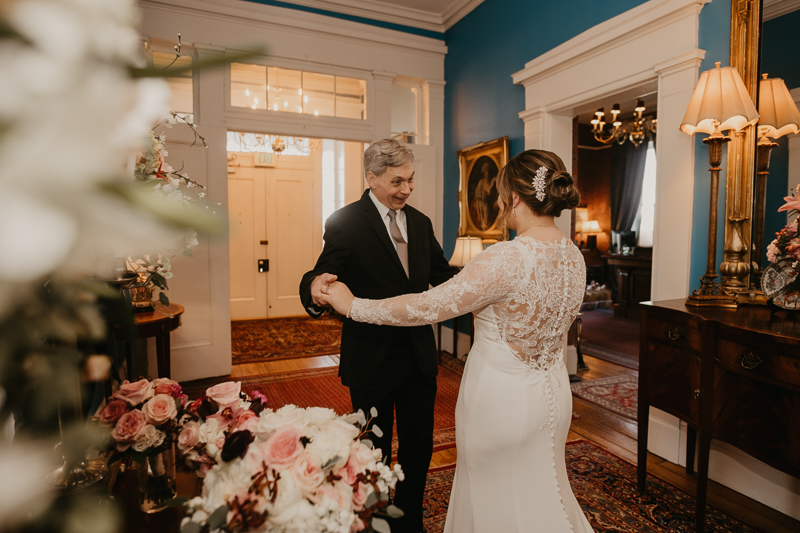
(380, 247)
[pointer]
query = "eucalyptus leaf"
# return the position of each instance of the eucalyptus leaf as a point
(373, 412)
(380, 525)
(372, 499)
(377, 431)
(188, 253)
(394, 512)
(191, 527)
(331, 462)
(218, 518)
(368, 443)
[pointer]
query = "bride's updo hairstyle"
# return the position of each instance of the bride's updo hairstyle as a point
(518, 176)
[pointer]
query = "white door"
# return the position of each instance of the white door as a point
(272, 217)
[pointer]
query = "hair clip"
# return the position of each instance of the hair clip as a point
(539, 183)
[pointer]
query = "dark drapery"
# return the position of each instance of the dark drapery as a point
(627, 175)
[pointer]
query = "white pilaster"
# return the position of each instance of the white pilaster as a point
(382, 108)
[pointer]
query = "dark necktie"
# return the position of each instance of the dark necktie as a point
(402, 246)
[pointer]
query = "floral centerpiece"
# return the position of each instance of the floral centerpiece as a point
(290, 470)
(178, 191)
(143, 418)
(780, 279)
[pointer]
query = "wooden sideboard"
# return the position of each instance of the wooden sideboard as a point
(731, 375)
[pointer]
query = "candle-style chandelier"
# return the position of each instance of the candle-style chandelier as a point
(637, 130)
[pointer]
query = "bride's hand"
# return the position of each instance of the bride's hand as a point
(338, 296)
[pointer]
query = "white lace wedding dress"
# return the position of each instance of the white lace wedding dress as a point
(514, 406)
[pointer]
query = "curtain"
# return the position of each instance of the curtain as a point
(627, 174)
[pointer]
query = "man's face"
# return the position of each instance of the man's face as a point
(394, 186)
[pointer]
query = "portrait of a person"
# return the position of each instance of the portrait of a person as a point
(483, 193)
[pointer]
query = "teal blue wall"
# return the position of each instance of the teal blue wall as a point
(715, 39)
(780, 58)
(484, 49)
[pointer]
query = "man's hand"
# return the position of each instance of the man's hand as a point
(318, 287)
(338, 296)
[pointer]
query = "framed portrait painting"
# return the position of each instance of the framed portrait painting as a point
(477, 191)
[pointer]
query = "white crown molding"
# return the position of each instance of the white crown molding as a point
(396, 14)
(614, 32)
(251, 13)
(776, 8)
(458, 11)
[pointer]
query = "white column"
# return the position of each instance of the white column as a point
(674, 179)
(432, 132)
(382, 104)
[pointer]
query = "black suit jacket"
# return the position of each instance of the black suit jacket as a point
(359, 251)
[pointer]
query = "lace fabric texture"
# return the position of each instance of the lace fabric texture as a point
(534, 287)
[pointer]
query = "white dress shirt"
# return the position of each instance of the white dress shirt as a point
(400, 218)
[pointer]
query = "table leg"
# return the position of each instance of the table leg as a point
(691, 445)
(702, 481)
(163, 355)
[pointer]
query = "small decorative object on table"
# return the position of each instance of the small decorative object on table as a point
(293, 469)
(143, 421)
(780, 279)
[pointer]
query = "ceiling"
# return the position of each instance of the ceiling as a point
(432, 15)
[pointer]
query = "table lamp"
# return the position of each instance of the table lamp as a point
(720, 102)
(591, 228)
(779, 116)
(466, 248)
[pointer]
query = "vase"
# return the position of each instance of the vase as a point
(141, 292)
(157, 481)
(779, 283)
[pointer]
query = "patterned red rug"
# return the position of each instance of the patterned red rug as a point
(253, 341)
(618, 394)
(605, 486)
(322, 388)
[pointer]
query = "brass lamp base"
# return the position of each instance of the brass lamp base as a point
(711, 294)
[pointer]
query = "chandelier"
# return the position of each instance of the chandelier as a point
(636, 131)
(277, 144)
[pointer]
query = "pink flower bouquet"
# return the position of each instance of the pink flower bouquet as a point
(294, 470)
(143, 417)
(211, 420)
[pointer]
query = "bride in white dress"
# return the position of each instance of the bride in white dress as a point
(514, 405)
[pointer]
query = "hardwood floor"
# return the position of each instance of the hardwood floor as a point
(609, 430)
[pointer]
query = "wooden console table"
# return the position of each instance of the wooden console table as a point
(731, 375)
(634, 273)
(158, 324)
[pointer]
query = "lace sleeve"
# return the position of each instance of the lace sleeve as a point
(485, 280)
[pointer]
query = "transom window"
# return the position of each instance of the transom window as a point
(297, 91)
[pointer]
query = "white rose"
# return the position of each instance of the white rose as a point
(150, 437)
(211, 433)
(334, 438)
(289, 501)
(317, 416)
(288, 415)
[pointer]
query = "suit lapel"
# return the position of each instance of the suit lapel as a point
(411, 231)
(374, 218)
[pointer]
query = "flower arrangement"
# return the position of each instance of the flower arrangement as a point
(143, 417)
(290, 470)
(780, 280)
(160, 178)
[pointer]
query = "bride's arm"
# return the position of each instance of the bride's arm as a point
(488, 278)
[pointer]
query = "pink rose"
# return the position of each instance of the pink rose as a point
(247, 420)
(282, 448)
(113, 410)
(308, 472)
(189, 436)
(134, 393)
(225, 393)
(359, 497)
(128, 428)
(159, 409)
(340, 493)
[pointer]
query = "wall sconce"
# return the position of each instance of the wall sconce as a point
(720, 102)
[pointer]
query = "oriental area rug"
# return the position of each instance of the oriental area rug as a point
(605, 486)
(618, 394)
(254, 341)
(322, 388)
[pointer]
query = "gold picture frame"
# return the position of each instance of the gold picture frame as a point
(479, 166)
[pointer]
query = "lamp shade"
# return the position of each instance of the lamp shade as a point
(720, 100)
(591, 226)
(466, 248)
(778, 111)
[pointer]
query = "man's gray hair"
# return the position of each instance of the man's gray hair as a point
(386, 153)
